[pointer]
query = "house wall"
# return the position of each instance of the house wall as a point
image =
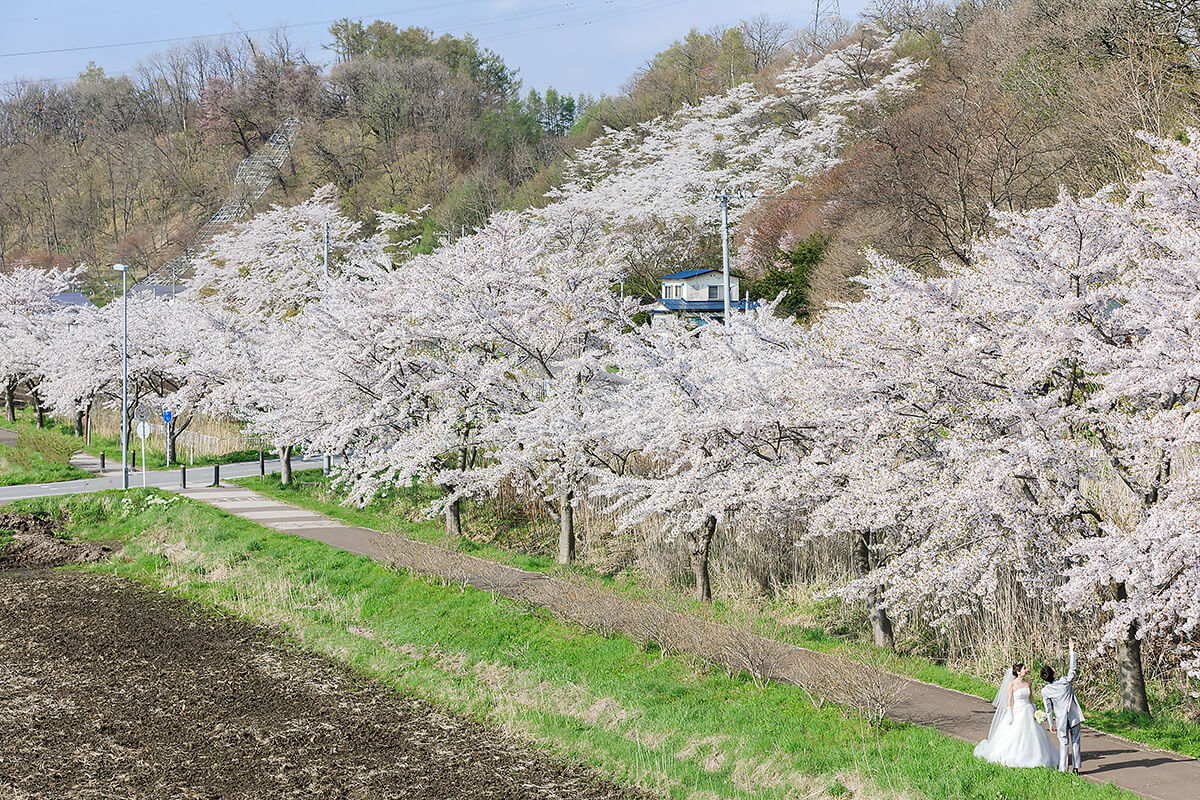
(696, 288)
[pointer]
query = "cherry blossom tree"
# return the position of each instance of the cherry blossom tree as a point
(724, 421)
(937, 472)
(82, 362)
(252, 282)
(1102, 300)
(648, 180)
(27, 309)
(468, 367)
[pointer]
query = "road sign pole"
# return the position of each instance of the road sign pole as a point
(167, 434)
(143, 432)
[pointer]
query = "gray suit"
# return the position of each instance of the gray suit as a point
(1065, 714)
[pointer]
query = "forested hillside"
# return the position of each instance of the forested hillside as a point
(1019, 99)
(126, 167)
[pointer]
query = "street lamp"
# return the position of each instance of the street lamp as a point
(124, 270)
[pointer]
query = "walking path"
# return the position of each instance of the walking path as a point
(1156, 774)
(90, 463)
(8, 438)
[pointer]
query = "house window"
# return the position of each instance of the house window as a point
(714, 292)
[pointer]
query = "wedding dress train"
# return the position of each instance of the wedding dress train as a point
(1016, 738)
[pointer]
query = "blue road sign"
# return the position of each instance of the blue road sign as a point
(166, 416)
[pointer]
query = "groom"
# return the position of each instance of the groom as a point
(1064, 712)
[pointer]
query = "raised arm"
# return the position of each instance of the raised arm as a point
(1071, 664)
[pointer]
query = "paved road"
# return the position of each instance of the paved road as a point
(7, 437)
(162, 479)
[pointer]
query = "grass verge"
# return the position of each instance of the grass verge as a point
(39, 456)
(666, 723)
(313, 491)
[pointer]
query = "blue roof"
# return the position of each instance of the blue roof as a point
(73, 299)
(673, 304)
(158, 290)
(687, 273)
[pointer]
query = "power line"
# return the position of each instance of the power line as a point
(582, 23)
(238, 32)
(492, 20)
(458, 26)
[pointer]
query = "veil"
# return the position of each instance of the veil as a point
(1001, 702)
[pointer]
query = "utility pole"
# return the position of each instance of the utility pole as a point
(124, 270)
(724, 197)
(326, 249)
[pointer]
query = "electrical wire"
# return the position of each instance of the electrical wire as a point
(491, 20)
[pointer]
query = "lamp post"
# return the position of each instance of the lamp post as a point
(124, 270)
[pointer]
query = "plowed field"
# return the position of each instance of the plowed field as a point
(112, 690)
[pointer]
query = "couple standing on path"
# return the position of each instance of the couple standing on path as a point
(1017, 738)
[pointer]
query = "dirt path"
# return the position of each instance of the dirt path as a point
(111, 690)
(1155, 774)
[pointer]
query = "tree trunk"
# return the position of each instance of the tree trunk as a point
(881, 624)
(454, 518)
(699, 546)
(38, 408)
(10, 401)
(171, 437)
(285, 465)
(79, 424)
(566, 528)
(454, 526)
(1129, 667)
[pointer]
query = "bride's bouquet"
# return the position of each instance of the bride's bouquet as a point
(1040, 716)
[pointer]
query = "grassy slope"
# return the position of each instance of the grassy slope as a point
(38, 457)
(663, 722)
(312, 492)
(50, 448)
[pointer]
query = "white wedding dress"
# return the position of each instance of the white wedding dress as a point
(1016, 738)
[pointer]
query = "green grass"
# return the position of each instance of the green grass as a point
(46, 448)
(39, 456)
(313, 491)
(664, 722)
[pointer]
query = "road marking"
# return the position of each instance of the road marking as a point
(298, 514)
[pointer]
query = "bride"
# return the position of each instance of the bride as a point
(1016, 739)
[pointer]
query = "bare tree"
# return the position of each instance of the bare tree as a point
(765, 39)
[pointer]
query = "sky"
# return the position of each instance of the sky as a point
(580, 46)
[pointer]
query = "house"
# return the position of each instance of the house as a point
(168, 290)
(72, 300)
(698, 294)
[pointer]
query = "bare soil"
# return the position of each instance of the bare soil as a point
(36, 543)
(112, 690)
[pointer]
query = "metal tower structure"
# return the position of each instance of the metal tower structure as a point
(824, 9)
(254, 176)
